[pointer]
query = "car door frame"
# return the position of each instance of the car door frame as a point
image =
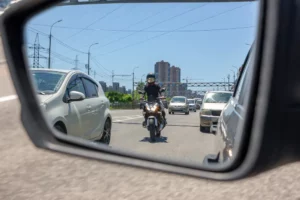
(65, 100)
(96, 112)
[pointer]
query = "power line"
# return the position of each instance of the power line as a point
(67, 46)
(165, 33)
(95, 60)
(95, 21)
(100, 68)
(163, 21)
(144, 19)
(59, 41)
(154, 31)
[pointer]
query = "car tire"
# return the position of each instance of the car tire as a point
(202, 129)
(169, 113)
(105, 139)
(172, 113)
(59, 128)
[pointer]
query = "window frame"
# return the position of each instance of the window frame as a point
(86, 87)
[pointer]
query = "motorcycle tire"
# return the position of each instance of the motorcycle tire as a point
(152, 130)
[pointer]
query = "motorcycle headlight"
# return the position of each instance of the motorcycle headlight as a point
(205, 112)
(153, 108)
(147, 107)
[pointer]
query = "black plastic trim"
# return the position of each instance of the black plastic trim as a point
(271, 43)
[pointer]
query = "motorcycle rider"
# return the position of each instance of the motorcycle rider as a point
(154, 90)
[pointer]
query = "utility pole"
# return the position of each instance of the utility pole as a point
(228, 77)
(36, 52)
(50, 37)
(89, 55)
(133, 86)
(233, 75)
(76, 63)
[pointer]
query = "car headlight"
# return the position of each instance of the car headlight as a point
(205, 112)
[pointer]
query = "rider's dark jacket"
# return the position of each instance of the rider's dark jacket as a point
(152, 90)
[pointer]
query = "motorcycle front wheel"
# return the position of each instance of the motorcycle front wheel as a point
(152, 129)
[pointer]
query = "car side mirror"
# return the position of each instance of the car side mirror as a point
(76, 96)
(162, 90)
(141, 92)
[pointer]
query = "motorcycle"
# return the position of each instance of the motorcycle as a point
(152, 110)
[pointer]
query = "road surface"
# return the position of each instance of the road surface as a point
(181, 139)
(30, 173)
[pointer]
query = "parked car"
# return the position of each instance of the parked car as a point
(232, 117)
(74, 103)
(179, 104)
(192, 104)
(212, 106)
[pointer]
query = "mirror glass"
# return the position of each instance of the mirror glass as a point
(154, 79)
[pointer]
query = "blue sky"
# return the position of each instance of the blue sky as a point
(204, 39)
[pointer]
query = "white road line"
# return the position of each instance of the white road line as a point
(8, 98)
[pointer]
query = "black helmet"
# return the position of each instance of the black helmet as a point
(150, 78)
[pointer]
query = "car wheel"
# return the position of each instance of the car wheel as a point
(60, 128)
(202, 129)
(173, 113)
(106, 133)
(169, 113)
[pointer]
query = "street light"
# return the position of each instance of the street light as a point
(50, 36)
(89, 57)
(142, 77)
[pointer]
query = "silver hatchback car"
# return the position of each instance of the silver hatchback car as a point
(74, 103)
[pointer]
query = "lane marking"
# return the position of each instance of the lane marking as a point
(8, 98)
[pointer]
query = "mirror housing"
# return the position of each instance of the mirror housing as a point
(263, 135)
(162, 90)
(141, 92)
(76, 96)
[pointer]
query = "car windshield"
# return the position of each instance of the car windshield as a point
(191, 101)
(199, 101)
(217, 97)
(47, 82)
(178, 100)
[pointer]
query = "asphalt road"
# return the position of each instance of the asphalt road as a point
(181, 140)
(27, 172)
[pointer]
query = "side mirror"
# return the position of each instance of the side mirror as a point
(76, 96)
(162, 90)
(141, 92)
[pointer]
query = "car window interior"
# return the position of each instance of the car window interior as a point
(76, 85)
(91, 88)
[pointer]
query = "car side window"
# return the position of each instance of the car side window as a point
(75, 85)
(91, 88)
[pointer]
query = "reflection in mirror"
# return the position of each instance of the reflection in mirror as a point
(154, 79)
